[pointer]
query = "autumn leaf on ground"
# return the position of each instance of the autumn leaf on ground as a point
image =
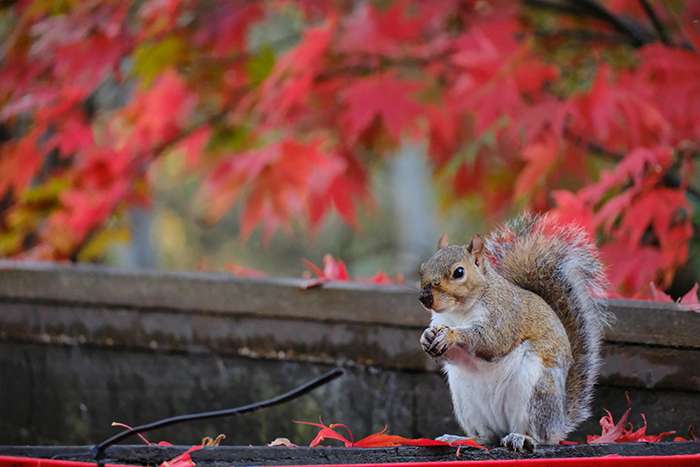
(689, 300)
(624, 432)
(184, 459)
(333, 269)
(242, 271)
(336, 270)
(692, 436)
(379, 439)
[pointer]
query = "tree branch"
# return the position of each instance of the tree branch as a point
(582, 35)
(658, 25)
(612, 156)
(636, 34)
(593, 147)
(635, 31)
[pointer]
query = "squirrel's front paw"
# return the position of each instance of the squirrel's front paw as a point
(436, 340)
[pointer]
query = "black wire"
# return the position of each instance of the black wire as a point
(98, 450)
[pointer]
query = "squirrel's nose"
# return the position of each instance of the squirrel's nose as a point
(426, 297)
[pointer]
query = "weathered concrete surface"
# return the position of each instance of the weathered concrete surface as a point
(225, 456)
(71, 394)
(637, 322)
(83, 346)
(329, 342)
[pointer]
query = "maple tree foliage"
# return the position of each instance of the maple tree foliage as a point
(586, 109)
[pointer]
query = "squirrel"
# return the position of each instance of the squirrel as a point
(517, 324)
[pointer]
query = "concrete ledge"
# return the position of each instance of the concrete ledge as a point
(637, 322)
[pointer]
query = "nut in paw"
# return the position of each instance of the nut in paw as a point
(518, 443)
(436, 340)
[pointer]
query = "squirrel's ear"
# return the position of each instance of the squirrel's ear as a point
(476, 248)
(442, 242)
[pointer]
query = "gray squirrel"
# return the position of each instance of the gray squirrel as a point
(517, 323)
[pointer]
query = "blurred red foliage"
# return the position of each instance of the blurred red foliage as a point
(520, 106)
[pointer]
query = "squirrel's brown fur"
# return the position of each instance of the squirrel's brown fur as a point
(561, 265)
(529, 289)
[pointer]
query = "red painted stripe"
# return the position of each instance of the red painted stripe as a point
(14, 461)
(684, 460)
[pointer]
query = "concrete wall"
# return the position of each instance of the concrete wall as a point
(81, 347)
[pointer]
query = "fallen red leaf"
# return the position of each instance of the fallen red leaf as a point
(379, 439)
(336, 270)
(183, 460)
(623, 432)
(242, 271)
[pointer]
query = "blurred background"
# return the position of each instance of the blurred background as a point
(246, 136)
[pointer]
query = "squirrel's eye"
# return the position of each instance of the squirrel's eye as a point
(458, 273)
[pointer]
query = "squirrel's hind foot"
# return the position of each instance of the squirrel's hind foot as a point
(518, 442)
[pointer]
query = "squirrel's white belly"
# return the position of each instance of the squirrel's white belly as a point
(491, 399)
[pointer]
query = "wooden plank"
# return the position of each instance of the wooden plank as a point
(636, 322)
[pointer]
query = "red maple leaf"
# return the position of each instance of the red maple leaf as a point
(280, 181)
(336, 270)
(382, 96)
(183, 460)
(227, 25)
(630, 268)
(691, 298)
(613, 114)
(389, 31)
(73, 135)
(623, 432)
(19, 162)
(540, 158)
(159, 112)
(571, 208)
(668, 78)
(291, 81)
(379, 439)
(333, 269)
(194, 145)
(344, 192)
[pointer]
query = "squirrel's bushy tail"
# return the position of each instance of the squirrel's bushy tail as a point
(560, 264)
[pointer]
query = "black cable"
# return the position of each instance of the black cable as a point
(98, 450)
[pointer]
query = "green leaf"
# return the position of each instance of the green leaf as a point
(46, 192)
(229, 139)
(260, 65)
(98, 245)
(152, 58)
